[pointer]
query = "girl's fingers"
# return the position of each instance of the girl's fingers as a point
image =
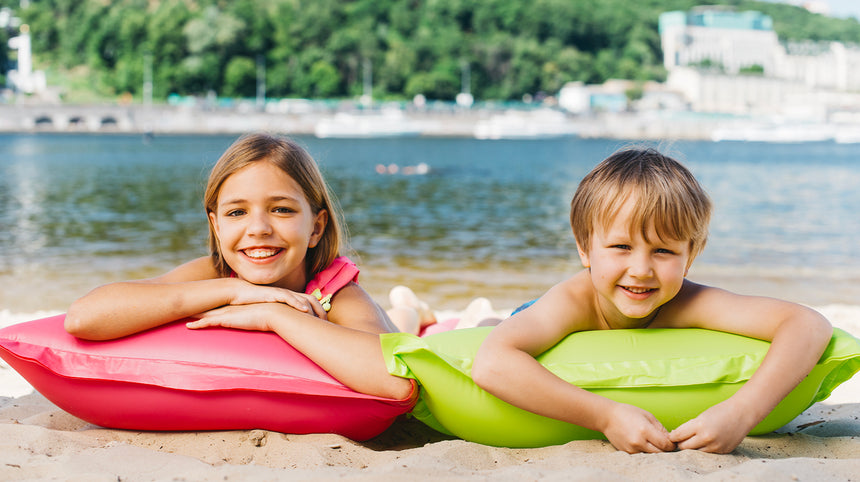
(318, 310)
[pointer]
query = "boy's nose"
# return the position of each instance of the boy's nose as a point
(640, 266)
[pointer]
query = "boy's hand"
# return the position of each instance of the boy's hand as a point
(634, 430)
(718, 429)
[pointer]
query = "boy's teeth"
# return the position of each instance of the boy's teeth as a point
(638, 290)
(260, 253)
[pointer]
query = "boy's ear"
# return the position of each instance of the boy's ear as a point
(320, 223)
(583, 256)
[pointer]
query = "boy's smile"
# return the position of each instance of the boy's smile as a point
(633, 276)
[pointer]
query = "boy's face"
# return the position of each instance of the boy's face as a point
(631, 276)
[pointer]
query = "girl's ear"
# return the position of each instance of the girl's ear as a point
(583, 256)
(320, 223)
(213, 220)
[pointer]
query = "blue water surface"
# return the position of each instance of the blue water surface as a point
(79, 210)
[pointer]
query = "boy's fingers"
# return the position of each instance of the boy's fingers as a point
(660, 440)
(692, 443)
(682, 433)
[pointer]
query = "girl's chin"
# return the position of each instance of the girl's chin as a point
(258, 278)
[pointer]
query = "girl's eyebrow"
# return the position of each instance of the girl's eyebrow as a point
(276, 198)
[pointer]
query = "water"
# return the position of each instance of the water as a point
(491, 217)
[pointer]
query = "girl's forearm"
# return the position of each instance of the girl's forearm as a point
(352, 356)
(119, 309)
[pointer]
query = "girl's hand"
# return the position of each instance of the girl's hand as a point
(634, 430)
(253, 317)
(719, 429)
(251, 293)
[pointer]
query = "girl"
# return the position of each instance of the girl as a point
(274, 239)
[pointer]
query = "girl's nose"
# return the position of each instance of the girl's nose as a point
(259, 225)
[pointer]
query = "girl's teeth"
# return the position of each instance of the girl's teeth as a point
(260, 253)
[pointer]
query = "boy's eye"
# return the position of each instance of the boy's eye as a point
(665, 251)
(621, 246)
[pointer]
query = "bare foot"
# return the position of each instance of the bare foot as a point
(479, 313)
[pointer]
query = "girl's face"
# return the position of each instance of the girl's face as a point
(631, 276)
(265, 225)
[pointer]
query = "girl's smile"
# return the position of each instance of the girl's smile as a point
(261, 254)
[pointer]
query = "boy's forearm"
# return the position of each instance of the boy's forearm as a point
(517, 378)
(796, 348)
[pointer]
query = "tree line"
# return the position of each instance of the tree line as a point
(330, 48)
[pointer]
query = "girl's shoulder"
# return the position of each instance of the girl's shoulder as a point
(338, 274)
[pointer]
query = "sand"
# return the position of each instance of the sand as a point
(38, 441)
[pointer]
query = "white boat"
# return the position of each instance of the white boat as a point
(848, 135)
(538, 124)
(385, 124)
(775, 133)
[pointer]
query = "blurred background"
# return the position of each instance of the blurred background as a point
(453, 132)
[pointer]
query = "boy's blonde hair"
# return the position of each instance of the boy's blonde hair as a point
(296, 163)
(666, 193)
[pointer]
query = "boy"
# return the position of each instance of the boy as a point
(640, 219)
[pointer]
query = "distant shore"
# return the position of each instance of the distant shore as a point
(451, 121)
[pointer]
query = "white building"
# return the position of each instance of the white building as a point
(720, 37)
(24, 78)
(707, 48)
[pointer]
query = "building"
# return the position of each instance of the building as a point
(720, 38)
(726, 61)
(22, 78)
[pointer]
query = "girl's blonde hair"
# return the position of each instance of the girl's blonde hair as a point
(667, 197)
(296, 163)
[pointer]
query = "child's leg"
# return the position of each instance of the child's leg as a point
(408, 313)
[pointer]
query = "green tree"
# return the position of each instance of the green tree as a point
(320, 47)
(324, 79)
(240, 77)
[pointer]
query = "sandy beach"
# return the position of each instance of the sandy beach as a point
(39, 441)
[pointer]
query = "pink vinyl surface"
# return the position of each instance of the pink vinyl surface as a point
(173, 378)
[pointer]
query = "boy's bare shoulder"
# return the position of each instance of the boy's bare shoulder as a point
(693, 306)
(572, 303)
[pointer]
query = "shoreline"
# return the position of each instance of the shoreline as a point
(489, 122)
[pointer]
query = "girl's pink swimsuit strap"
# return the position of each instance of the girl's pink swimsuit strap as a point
(334, 277)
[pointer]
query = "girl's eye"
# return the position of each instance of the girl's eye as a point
(236, 212)
(283, 210)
